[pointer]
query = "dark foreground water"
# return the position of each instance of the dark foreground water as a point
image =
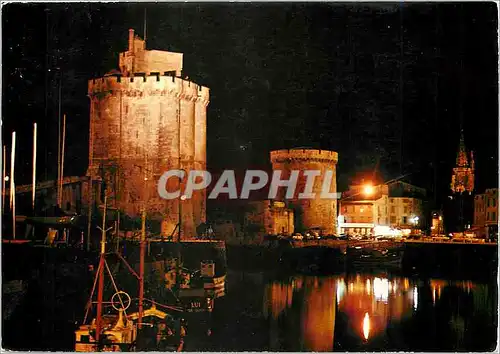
(354, 312)
(260, 312)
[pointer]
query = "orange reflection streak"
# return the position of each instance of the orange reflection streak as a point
(318, 316)
(366, 326)
(280, 296)
(368, 294)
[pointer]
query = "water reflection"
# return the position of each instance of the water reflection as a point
(366, 326)
(303, 311)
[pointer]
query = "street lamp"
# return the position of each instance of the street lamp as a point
(368, 190)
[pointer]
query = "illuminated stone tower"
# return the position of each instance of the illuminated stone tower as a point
(462, 179)
(145, 119)
(316, 212)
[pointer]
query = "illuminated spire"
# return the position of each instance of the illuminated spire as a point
(462, 160)
(462, 179)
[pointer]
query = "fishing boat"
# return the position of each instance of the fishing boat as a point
(116, 330)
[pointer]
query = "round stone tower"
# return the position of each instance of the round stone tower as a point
(142, 124)
(317, 211)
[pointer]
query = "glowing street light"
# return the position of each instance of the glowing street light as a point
(368, 189)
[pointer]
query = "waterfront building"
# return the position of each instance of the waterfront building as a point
(382, 209)
(268, 217)
(486, 214)
(437, 225)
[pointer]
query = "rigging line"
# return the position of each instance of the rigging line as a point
(116, 288)
(89, 303)
(176, 308)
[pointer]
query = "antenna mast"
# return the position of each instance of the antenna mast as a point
(145, 26)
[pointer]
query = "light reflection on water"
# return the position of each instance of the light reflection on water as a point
(370, 306)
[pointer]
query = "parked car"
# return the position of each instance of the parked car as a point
(316, 232)
(309, 236)
(297, 237)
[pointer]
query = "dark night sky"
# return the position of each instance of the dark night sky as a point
(385, 86)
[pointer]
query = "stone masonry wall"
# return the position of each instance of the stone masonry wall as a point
(140, 127)
(315, 212)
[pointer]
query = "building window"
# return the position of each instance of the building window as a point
(393, 219)
(404, 220)
(494, 216)
(393, 210)
(405, 210)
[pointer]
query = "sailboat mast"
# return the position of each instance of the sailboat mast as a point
(13, 185)
(12, 158)
(141, 267)
(143, 238)
(100, 289)
(4, 165)
(34, 167)
(62, 160)
(59, 145)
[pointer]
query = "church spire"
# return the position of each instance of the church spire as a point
(462, 160)
(462, 179)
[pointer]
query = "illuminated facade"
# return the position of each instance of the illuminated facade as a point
(437, 226)
(486, 214)
(397, 205)
(270, 217)
(145, 119)
(462, 179)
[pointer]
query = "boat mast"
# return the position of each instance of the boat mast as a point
(62, 163)
(100, 289)
(59, 146)
(143, 239)
(12, 184)
(141, 266)
(4, 164)
(34, 168)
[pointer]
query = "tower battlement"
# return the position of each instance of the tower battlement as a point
(303, 154)
(152, 84)
(146, 118)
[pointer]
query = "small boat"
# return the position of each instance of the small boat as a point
(372, 257)
(161, 332)
(142, 330)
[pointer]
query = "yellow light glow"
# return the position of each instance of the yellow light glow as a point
(368, 189)
(366, 326)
